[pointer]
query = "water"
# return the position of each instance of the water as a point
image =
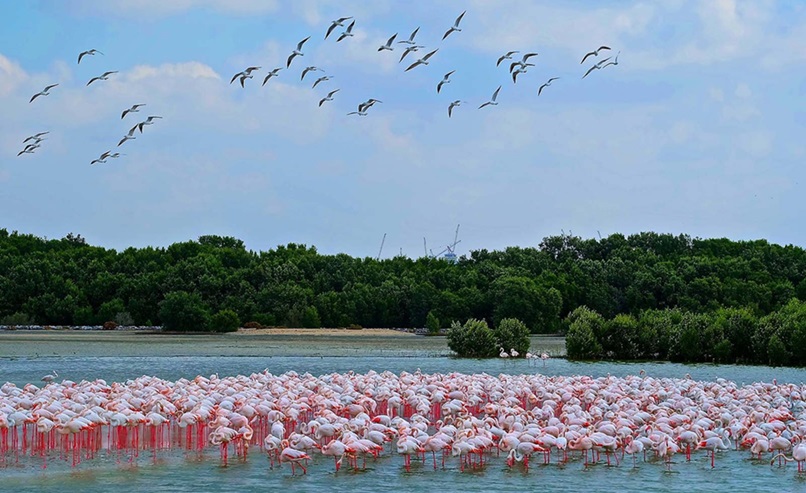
(179, 471)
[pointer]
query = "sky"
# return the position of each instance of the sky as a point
(698, 129)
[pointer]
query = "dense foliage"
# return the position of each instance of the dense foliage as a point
(728, 335)
(67, 281)
(475, 339)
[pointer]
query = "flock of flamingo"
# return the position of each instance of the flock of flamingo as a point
(471, 419)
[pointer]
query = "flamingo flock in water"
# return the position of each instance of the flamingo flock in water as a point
(470, 418)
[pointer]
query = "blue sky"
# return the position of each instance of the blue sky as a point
(698, 129)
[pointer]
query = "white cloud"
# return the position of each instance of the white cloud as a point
(11, 76)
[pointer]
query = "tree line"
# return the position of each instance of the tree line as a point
(67, 281)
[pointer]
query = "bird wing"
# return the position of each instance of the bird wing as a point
(125, 112)
(317, 81)
(503, 57)
(528, 56)
(515, 76)
(50, 87)
(81, 55)
(418, 62)
(600, 62)
(107, 74)
(541, 89)
(288, 64)
(322, 101)
(299, 46)
(331, 93)
(459, 19)
(93, 80)
(512, 66)
(391, 40)
(330, 29)
(131, 130)
(342, 19)
(483, 105)
(122, 141)
(604, 47)
(439, 86)
(495, 94)
(553, 78)
(350, 27)
(586, 57)
(266, 79)
(590, 70)
(408, 50)
(235, 77)
(411, 38)
(450, 108)
(304, 73)
(429, 55)
(342, 36)
(34, 97)
(449, 74)
(447, 33)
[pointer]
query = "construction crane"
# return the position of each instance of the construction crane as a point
(450, 256)
(381, 250)
(425, 247)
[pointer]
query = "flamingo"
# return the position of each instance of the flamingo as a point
(633, 447)
(294, 456)
(50, 378)
(715, 443)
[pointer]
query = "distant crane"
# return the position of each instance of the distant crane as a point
(425, 247)
(450, 256)
(381, 250)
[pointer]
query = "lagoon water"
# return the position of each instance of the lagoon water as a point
(181, 471)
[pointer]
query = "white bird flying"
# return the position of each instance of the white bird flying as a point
(455, 26)
(297, 52)
(523, 62)
(101, 158)
(337, 22)
(595, 67)
(614, 62)
(410, 41)
(348, 33)
(445, 80)
(43, 92)
(329, 97)
(104, 76)
(453, 105)
(321, 79)
(133, 109)
(88, 52)
(388, 45)
(594, 53)
(125, 138)
(309, 69)
(408, 50)
(508, 56)
(273, 73)
(547, 84)
(492, 101)
(36, 136)
(423, 60)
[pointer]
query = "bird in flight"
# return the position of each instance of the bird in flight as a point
(337, 22)
(101, 158)
(88, 52)
(126, 137)
(329, 97)
(37, 137)
(271, 74)
(492, 101)
(29, 149)
(410, 41)
(148, 121)
(508, 56)
(548, 83)
(423, 60)
(453, 105)
(321, 79)
(409, 50)
(388, 45)
(445, 80)
(597, 66)
(246, 74)
(347, 33)
(133, 109)
(523, 62)
(594, 53)
(519, 70)
(43, 92)
(309, 69)
(297, 52)
(614, 62)
(455, 26)
(105, 76)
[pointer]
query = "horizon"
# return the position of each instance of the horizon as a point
(679, 136)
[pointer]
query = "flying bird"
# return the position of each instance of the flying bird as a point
(445, 80)
(347, 33)
(453, 105)
(362, 110)
(148, 121)
(548, 83)
(88, 52)
(246, 74)
(520, 70)
(410, 41)
(594, 53)
(329, 97)
(105, 76)
(492, 101)
(36, 136)
(523, 62)
(44, 92)
(455, 26)
(297, 52)
(423, 60)
(29, 149)
(409, 50)
(614, 62)
(115, 155)
(321, 79)
(508, 56)
(133, 109)
(388, 45)
(125, 138)
(337, 22)
(309, 69)
(101, 158)
(595, 67)
(271, 74)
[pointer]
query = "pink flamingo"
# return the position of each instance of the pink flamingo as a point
(294, 456)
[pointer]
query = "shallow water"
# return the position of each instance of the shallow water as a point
(180, 471)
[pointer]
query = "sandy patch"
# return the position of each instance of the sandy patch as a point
(324, 332)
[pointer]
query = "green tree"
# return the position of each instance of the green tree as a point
(474, 339)
(183, 311)
(511, 333)
(310, 318)
(432, 323)
(581, 342)
(225, 321)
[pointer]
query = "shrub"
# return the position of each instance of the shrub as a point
(17, 318)
(124, 318)
(474, 339)
(777, 352)
(310, 318)
(183, 311)
(511, 333)
(432, 323)
(225, 321)
(581, 341)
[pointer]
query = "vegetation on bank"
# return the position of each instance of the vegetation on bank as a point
(475, 339)
(626, 280)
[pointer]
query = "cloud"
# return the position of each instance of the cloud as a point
(160, 8)
(11, 76)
